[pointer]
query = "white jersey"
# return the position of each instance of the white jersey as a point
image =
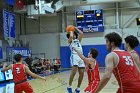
(77, 45)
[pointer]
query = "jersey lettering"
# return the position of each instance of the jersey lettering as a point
(78, 44)
(128, 60)
(17, 70)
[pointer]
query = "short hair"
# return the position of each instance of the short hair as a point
(17, 57)
(75, 33)
(68, 35)
(132, 41)
(114, 37)
(94, 52)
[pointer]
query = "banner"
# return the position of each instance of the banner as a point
(23, 51)
(9, 24)
(10, 2)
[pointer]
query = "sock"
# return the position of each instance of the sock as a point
(78, 88)
(70, 86)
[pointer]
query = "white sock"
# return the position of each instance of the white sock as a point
(78, 88)
(70, 87)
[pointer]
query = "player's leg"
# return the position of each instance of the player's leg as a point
(27, 88)
(74, 64)
(81, 75)
(73, 73)
(81, 68)
(80, 78)
(17, 88)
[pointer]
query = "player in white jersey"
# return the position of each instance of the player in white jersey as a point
(77, 63)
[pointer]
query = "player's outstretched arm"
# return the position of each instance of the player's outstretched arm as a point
(71, 37)
(80, 35)
(86, 60)
(6, 68)
(32, 74)
(108, 73)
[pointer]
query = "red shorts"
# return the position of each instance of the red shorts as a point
(92, 87)
(130, 87)
(23, 87)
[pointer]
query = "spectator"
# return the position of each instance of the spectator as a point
(28, 61)
(56, 65)
(39, 66)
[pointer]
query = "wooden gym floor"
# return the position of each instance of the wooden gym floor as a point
(57, 83)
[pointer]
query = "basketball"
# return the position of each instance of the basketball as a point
(70, 28)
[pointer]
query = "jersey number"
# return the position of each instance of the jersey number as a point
(128, 60)
(17, 70)
(78, 44)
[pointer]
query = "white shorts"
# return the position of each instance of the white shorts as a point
(76, 61)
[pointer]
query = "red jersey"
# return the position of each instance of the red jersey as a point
(93, 74)
(18, 73)
(125, 71)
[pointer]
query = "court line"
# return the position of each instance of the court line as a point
(58, 86)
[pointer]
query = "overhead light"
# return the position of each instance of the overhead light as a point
(138, 21)
(59, 5)
(31, 17)
(46, 8)
(98, 15)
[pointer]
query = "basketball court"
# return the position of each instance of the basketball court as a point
(57, 83)
(43, 28)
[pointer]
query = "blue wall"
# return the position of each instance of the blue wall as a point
(65, 54)
(138, 49)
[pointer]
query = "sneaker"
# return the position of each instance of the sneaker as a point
(69, 90)
(77, 91)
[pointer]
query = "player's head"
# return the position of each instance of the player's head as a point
(93, 53)
(113, 40)
(75, 35)
(131, 42)
(18, 57)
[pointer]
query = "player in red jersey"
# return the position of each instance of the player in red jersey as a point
(121, 64)
(92, 69)
(130, 43)
(19, 72)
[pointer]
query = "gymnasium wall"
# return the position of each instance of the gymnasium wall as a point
(41, 24)
(43, 43)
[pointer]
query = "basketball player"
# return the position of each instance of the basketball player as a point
(121, 64)
(130, 43)
(92, 69)
(74, 40)
(19, 72)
